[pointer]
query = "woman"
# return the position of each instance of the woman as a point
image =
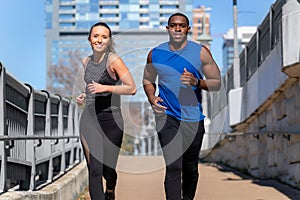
(101, 124)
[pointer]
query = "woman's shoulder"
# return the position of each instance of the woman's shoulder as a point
(113, 61)
(85, 61)
(113, 57)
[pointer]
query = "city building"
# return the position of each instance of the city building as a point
(201, 26)
(68, 23)
(245, 33)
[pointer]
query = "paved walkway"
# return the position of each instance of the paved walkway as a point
(141, 178)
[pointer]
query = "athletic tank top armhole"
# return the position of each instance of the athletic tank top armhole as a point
(112, 74)
(85, 61)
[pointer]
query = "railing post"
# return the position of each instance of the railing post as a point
(71, 132)
(61, 133)
(3, 131)
(76, 132)
(48, 133)
(30, 146)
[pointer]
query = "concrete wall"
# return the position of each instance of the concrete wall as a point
(67, 187)
(267, 154)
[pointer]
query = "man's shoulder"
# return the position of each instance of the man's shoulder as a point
(191, 42)
(163, 45)
(194, 46)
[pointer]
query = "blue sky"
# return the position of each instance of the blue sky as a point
(23, 42)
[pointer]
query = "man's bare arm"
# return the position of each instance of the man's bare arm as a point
(210, 70)
(149, 79)
(149, 85)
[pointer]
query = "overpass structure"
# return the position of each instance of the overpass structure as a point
(261, 129)
(256, 127)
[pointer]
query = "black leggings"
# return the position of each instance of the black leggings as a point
(181, 143)
(101, 137)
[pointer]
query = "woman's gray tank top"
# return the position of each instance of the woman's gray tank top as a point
(98, 73)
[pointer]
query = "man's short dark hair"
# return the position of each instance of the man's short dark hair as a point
(179, 14)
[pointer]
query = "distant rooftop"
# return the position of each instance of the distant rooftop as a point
(244, 33)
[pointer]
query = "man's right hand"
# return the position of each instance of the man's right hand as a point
(156, 107)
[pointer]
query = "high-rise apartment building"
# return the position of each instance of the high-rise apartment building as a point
(201, 25)
(135, 24)
(245, 33)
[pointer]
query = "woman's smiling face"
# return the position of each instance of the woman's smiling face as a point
(100, 38)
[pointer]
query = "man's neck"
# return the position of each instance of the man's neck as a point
(174, 46)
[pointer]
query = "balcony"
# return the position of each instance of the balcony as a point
(108, 11)
(108, 2)
(71, 11)
(68, 3)
(166, 2)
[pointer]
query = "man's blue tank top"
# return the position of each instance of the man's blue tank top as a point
(182, 102)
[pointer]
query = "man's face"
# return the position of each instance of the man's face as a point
(178, 29)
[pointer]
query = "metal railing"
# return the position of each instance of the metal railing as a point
(39, 136)
(265, 39)
(261, 43)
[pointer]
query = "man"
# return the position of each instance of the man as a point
(180, 65)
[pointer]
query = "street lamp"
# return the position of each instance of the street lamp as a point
(236, 60)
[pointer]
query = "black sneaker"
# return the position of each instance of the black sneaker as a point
(109, 195)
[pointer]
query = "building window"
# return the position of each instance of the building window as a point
(144, 6)
(66, 25)
(66, 7)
